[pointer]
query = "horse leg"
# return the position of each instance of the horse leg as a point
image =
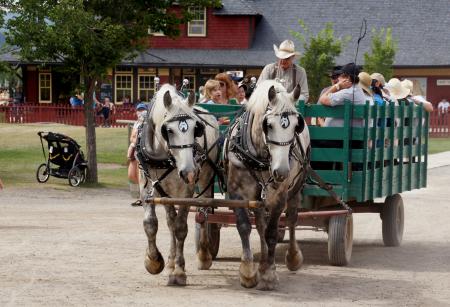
(247, 271)
(204, 256)
(268, 275)
(154, 261)
(294, 256)
(178, 276)
(171, 215)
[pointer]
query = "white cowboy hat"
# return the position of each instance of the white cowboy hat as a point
(286, 50)
(396, 89)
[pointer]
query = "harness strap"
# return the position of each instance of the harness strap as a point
(327, 187)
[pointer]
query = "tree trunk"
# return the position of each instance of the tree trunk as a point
(91, 143)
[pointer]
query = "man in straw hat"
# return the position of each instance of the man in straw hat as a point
(285, 70)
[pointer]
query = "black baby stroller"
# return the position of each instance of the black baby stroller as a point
(65, 159)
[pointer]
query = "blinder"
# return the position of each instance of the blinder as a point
(199, 129)
(300, 122)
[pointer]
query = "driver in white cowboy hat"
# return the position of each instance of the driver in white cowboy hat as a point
(285, 70)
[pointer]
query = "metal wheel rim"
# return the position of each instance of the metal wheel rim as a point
(42, 177)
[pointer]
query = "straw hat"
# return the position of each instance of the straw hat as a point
(286, 50)
(396, 89)
(408, 84)
(379, 77)
(365, 81)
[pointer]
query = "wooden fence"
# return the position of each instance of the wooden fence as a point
(66, 114)
(62, 114)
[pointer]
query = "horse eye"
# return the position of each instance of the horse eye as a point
(269, 126)
(169, 130)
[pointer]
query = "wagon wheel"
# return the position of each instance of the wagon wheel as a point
(75, 176)
(340, 239)
(213, 231)
(393, 216)
(42, 173)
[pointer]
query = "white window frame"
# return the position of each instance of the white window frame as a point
(152, 76)
(203, 34)
(116, 88)
(40, 87)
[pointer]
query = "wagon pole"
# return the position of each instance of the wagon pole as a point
(205, 202)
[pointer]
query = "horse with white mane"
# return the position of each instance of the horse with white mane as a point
(175, 137)
(266, 155)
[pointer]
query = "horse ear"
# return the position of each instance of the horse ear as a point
(272, 93)
(191, 98)
(295, 94)
(167, 100)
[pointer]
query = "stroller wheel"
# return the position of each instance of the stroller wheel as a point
(42, 173)
(75, 176)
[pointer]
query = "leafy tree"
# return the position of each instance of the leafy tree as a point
(90, 36)
(319, 56)
(382, 54)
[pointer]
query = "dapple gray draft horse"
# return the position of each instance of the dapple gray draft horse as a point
(266, 156)
(173, 151)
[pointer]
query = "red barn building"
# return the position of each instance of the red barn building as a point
(240, 36)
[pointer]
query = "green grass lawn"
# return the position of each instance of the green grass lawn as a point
(21, 153)
(437, 145)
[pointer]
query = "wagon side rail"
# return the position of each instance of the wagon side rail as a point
(388, 154)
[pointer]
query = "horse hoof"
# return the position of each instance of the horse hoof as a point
(269, 281)
(204, 261)
(170, 266)
(177, 278)
(154, 266)
(294, 261)
(248, 275)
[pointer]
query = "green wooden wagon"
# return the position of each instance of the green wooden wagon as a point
(382, 157)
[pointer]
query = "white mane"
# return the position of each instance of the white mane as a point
(259, 100)
(179, 105)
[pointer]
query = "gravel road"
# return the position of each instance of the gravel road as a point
(85, 247)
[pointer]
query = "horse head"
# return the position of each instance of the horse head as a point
(281, 122)
(179, 128)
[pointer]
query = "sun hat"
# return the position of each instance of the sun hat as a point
(408, 84)
(379, 77)
(141, 106)
(396, 89)
(365, 81)
(286, 49)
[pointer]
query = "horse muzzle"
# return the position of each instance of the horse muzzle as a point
(189, 176)
(280, 175)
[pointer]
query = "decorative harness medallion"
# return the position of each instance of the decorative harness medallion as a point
(284, 120)
(183, 125)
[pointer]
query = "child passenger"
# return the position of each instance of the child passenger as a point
(213, 94)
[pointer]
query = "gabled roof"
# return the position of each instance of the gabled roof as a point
(236, 7)
(421, 28)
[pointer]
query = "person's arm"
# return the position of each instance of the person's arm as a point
(132, 147)
(327, 99)
(427, 106)
(303, 80)
(265, 74)
(1, 184)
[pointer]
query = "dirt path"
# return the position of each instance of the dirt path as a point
(86, 247)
